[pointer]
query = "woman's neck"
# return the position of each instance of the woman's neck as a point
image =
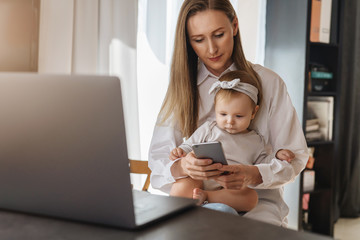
(220, 71)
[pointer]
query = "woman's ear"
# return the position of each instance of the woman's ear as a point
(235, 25)
(256, 108)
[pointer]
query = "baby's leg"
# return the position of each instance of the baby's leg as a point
(241, 200)
(184, 187)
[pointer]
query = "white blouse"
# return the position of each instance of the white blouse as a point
(276, 121)
(250, 145)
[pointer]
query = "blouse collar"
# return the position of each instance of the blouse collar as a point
(204, 73)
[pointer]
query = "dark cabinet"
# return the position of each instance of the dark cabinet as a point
(289, 29)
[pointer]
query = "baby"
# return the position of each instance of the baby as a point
(236, 104)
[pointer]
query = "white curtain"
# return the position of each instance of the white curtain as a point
(130, 39)
(117, 56)
(94, 37)
(156, 30)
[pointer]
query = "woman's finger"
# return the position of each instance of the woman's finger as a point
(197, 161)
(200, 169)
(231, 181)
(204, 175)
(240, 175)
(231, 168)
(212, 167)
(230, 178)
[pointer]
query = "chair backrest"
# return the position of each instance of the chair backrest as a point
(141, 167)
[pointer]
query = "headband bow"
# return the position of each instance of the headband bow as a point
(236, 85)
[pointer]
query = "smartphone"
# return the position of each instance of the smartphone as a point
(212, 150)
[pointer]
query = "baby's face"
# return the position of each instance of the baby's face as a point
(234, 115)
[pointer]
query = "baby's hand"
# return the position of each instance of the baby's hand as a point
(177, 153)
(285, 155)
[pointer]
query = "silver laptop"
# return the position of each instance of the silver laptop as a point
(63, 152)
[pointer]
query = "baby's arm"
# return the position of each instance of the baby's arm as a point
(285, 155)
(177, 153)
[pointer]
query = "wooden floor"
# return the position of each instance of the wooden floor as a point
(347, 229)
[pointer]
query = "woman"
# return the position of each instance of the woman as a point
(207, 45)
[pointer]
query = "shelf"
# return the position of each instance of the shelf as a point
(318, 143)
(318, 190)
(330, 93)
(320, 44)
(317, 105)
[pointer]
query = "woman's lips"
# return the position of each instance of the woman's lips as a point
(215, 59)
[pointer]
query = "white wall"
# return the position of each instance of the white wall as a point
(251, 15)
(56, 36)
(69, 36)
(286, 54)
(19, 26)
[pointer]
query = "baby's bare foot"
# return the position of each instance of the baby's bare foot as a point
(200, 195)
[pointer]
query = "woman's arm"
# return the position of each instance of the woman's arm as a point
(164, 172)
(283, 131)
(164, 139)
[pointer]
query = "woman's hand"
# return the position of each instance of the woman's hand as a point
(199, 169)
(239, 176)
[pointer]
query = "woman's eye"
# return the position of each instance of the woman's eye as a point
(198, 40)
(219, 35)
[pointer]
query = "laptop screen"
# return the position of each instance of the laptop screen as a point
(63, 147)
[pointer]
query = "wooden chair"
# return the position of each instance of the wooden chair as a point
(141, 167)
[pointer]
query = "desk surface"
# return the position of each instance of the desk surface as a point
(196, 223)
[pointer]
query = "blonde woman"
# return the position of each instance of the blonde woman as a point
(207, 45)
(236, 103)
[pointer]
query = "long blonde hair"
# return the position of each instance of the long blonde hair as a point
(182, 97)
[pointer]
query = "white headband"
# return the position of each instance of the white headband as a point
(236, 85)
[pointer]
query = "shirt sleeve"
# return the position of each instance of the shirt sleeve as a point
(164, 139)
(284, 131)
(263, 155)
(199, 136)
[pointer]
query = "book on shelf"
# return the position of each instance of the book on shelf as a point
(322, 109)
(320, 77)
(308, 180)
(314, 136)
(315, 20)
(313, 121)
(312, 130)
(325, 21)
(311, 160)
(313, 127)
(320, 23)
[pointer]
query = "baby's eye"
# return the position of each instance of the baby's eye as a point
(238, 116)
(223, 114)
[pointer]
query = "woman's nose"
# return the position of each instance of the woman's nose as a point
(212, 47)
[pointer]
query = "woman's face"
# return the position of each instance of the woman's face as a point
(211, 36)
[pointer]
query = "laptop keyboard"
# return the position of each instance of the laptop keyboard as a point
(142, 203)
